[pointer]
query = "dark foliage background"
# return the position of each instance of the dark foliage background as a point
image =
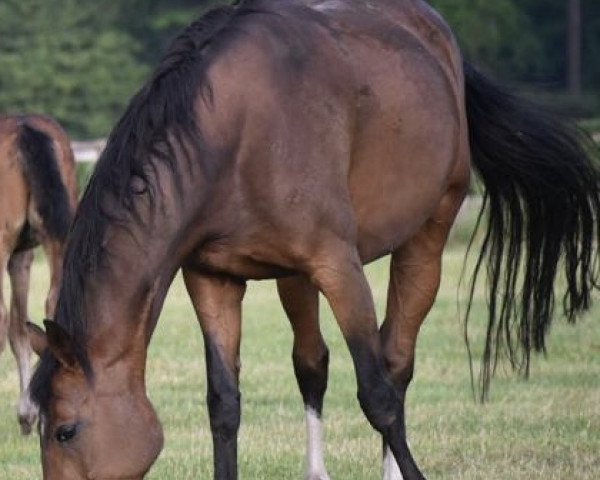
(81, 60)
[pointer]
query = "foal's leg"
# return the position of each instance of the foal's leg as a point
(218, 303)
(3, 311)
(19, 269)
(53, 250)
(415, 274)
(338, 272)
(300, 299)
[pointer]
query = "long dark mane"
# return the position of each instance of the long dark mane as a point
(159, 121)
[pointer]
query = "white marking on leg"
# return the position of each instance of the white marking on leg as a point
(315, 462)
(391, 471)
(27, 411)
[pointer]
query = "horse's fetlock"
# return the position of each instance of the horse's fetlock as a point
(312, 375)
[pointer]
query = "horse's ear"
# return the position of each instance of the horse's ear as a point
(37, 338)
(60, 344)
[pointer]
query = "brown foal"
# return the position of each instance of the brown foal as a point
(299, 140)
(38, 194)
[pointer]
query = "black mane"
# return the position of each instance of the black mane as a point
(159, 120)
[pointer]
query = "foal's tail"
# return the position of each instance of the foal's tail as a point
(542, 198)
(46, 183)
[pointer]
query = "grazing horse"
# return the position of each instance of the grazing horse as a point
(298, 140)
(38, 194)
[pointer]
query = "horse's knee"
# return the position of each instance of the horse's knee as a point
(312, 374)
(17, 331)
(224, 412)
(398, 354)
(400, 367)
(20, 264)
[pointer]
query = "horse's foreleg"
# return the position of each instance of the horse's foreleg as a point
(338, 273)
(19, 268)
(415, 274)
(300, 299)
(218, 302)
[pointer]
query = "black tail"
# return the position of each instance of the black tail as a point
(543, 204)
(47, 187)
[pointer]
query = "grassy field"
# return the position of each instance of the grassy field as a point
(546, 428)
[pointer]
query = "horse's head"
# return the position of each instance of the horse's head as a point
(91, 426)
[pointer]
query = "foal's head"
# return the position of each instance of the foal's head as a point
(91, 427)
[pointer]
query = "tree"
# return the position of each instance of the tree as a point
(156, 22)
(65, 58)
(497, 35)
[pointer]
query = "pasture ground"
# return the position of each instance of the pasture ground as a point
(546, 428)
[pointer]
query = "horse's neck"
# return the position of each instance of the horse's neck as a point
(125, 297)
(123, 302)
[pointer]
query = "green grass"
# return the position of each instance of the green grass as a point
(546, 428)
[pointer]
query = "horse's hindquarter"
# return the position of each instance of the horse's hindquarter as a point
(64, 153)
(408, 146)
(347, 124)
(14, 193)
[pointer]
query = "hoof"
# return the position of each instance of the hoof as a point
(27, 423)
(27, 416)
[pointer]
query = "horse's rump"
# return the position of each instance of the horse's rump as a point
(38, 167)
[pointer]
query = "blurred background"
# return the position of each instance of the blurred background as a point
(81, 60)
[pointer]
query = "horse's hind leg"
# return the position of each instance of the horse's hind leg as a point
(3, 311)
(300, 299)
(415, 273)
(19, 268)
(218, 303)
(53, 249)
(338, 272)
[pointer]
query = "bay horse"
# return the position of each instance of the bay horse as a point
(299, 140)
(38, 194)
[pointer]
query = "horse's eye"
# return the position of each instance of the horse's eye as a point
(65, 433)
